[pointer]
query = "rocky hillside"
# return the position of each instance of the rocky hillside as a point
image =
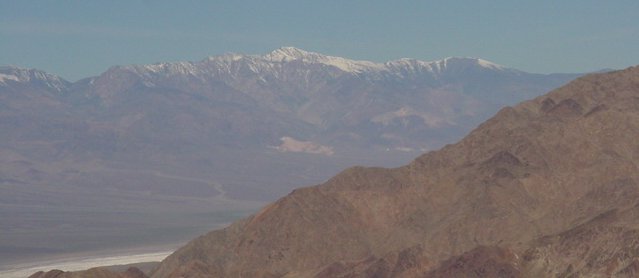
(548, 187)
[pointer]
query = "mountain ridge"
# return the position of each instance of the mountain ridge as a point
(289, 54)
(317, 89)
(26, 75)
(292, 54)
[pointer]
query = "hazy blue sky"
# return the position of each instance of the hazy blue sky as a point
(77, 39)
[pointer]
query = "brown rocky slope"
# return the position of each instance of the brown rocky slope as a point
(548, 187)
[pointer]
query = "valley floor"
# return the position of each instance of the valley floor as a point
(86, 261)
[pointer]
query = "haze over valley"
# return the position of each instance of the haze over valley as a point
(157, 154)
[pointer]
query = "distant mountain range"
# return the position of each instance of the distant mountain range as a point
(335, 102)
(225, 133)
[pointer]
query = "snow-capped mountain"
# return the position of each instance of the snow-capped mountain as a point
(392, 68)
(9, 74)
(338, 97)
(273, 63)
(332, 101)
(325, 98)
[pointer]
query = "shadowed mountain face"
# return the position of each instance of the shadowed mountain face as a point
(548, 187)
(207, 141)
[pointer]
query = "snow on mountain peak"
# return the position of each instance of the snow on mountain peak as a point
(409, 64)
(24, 75)
(468, 61)
(489, 64)
(289, 53)
(4, 77)
(274, 60)
(168, 69)
(228, 57)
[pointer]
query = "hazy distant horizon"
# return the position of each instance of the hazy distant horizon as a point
(85, 38)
